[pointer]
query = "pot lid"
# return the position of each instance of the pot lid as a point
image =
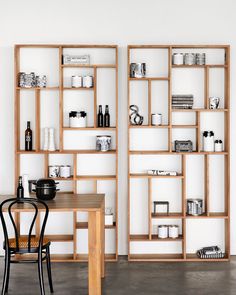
(45, 182)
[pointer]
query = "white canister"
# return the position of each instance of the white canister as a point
(53, 171)
(162, 231)
(208, 141)
(78, 119)
(173, 231)
(88, 81)
(218, 145)
(65, 171)
(76, 81)
(177, 59)
(156, 119)
(189, 59)
(25, 179)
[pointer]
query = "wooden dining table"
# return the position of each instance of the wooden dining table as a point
(94, 205)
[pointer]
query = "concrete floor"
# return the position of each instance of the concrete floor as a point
(131, 278)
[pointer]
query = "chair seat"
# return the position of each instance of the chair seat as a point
(23, 242)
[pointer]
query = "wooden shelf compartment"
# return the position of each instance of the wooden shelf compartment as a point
(171, 215)
(156, 257)
(154, 238)
(84, 225)
(145, 175)
(185, 126)
(143, 152)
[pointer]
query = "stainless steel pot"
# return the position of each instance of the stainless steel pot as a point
(45, 189)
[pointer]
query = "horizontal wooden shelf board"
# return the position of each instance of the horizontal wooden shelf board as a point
(199, 66)
(95, 177)
(90, 128)
(176, 46)
(67, 152)
(84, 257)
(143, 175)
(62, 178)
(84, 225)
(148, 126)
(155, 257)
(78, 88)
(60, 238)
(200, 110)
(171, 215)
(136, 152)
(185, 126)
(38, 88)
(209, 215)
(154, 238)
(150, 79)
(89, 66)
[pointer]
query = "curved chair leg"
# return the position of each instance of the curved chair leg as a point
(49, 269)
(6, 273)
(40, 272)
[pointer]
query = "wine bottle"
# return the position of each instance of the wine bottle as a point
(20, 189)
(107, 117)
(100, 117)
(28, 138)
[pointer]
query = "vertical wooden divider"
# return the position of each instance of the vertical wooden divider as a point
(206, 176)
(117, 153)
(95, 97)
(37, 121)
(198, 135)
(150, 208)
(184, 205)
(61, 99)
(170, 99)
(46, 164)
(128, 146)
(75, 188)
(206, 87)
(149, 101)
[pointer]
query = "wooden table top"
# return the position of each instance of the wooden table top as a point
(66, 202)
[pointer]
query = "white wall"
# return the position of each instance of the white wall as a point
(113, 22)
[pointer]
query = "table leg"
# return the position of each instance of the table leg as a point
(94, 260)
(103, 242)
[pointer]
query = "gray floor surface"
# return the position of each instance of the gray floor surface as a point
(131, 278)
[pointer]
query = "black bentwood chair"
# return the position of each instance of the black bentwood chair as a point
(26, 244)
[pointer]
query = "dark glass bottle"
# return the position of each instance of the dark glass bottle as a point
(28, 138)
(100, 117)
(107, 117)
(20, 189)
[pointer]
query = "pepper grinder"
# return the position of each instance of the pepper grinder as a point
(51, 146)
(46, 139)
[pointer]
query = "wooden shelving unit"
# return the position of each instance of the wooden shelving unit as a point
(61, 88)
(140, 238)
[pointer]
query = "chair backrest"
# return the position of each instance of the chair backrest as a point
(7, 207)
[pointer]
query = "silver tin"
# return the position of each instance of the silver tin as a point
(200, 59)
(190, 59)
(103, 143)
(76, 81)
(162, 231)
(173, 231)
(137, 70)
(178, 59)
(41, 81)
(65, 171)
(53, 171)
(88, 81)
(195, 207)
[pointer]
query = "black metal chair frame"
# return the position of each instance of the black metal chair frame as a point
(42, 250)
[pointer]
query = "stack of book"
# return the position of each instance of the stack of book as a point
(182, 101)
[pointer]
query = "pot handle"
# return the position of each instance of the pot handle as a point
(34, 190)
(56, 182)
(57, 189)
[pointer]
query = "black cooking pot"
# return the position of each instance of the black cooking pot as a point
(45, 189)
